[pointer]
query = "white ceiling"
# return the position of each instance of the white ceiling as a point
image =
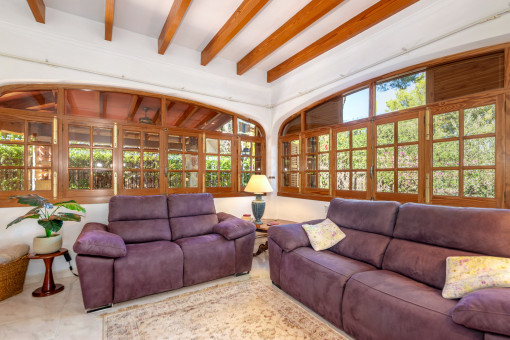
(205, 17)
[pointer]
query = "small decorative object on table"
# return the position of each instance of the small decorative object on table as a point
(50, 221)
(246, 217)
(13, 267)
(258, 184)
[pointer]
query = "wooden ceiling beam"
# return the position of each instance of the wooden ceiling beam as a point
(71, 101)
(243, 14)
(309, 14)
(207, 118)
(157, 116)
(360, 23)
(189, 111)
(136, 101)
(172, 22)
(188, 117)
(109, 8)
(38, 10)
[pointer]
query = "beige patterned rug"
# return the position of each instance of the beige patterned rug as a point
(248, 309)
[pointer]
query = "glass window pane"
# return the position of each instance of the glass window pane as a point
(323, 161)
(175, 179)
(311, 162)
(445, 182)
(12, 154)
(131, 179)
(191, 162)
(245, 128)
(245, 163)
(324, 180)
(151, 141)
(290, 180)
(12, 130)
(39, 156)
(102, 137)
(294, 147)
(132, 139)
(151, 160)
(408, 131)
(131, 160)
(40, 132)
(79, 135)
(479, 183)
(342, 140)
(342, 161)
(79, 157)
(174, 161)
(225, 147)
(385, 181)
(359, 138)
(480, 151)
(102, 179)
(174, 143)
(311, 145)
(342, 180)
(102, 158)
(211, 145)
(292, 126)
(79, 179)
(385, 134)
(11, 179)
(225, 163)
(191, 180)
(408, 156)
(311, 179)
(246, 148)
(151, 180)
(225, 127)
(323, 143)
(258, 164)
(445, 154)
(445, 125)
(355, 105)
(211, 162)
(408, 182)
(401, 93)
(245, 177)
(359, 159)
(285, 149)
(479, 120)
(191, 144)
(359, 181)
(257, 150)
(385, 158)
(294, 163)
(30, 100)
(39, 179)
(211, 179)
(225, 179)
(324, 114)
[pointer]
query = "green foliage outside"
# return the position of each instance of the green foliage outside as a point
(409, 92)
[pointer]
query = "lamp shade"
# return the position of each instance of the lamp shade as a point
(258, 184)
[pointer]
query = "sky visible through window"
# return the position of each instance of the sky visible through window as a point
(356, 105)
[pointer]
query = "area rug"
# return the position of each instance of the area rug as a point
(249, 309)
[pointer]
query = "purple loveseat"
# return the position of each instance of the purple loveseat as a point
(154, 244)
(384, 280)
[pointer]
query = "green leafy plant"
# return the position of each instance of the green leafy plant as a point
(49, 219)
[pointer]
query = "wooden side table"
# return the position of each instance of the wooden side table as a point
(49, 287)
(262, 229)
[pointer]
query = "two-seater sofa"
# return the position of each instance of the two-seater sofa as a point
(157, 243)
(384, 279)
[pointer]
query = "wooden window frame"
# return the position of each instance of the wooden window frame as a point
(183, 152)
(303, 162)
(281, 157)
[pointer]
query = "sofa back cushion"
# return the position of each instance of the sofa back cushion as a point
(425, 235)
(139, 218)
(191, 214)
(368, 226)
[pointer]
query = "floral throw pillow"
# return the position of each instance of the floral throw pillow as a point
(323, 235)
(465, 274)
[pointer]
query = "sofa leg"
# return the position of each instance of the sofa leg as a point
(99, 308)
(276, 285)
(241, 274)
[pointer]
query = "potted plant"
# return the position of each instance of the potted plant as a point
(49, 219)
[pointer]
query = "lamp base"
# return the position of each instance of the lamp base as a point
(258, 206)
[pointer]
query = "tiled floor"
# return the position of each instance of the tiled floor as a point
(62, 316)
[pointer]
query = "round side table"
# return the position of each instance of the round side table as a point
(49, 287)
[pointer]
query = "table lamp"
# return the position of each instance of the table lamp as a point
(258, 184)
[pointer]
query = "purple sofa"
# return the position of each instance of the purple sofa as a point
(384, 280)
(154, 244)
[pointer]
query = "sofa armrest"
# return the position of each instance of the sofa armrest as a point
(95, 240)
(289, 236)
(231, 227)
(486, 309)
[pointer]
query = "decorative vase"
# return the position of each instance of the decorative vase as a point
(47, 245)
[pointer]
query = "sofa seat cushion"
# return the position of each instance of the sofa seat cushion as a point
(386, 305)
(317, 279)
(147, 268)
(206, 258)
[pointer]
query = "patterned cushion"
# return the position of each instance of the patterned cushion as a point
(465, 274)
(323, 235)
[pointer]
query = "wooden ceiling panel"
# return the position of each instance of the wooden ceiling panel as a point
(361, 22)
(173, 21)
(309, 14)
(108, 19)
(38, 10)
(243, 14)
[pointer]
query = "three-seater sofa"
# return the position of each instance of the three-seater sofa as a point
(157, 243)
(384, 279)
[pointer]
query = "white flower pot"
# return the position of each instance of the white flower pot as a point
(47, 245)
